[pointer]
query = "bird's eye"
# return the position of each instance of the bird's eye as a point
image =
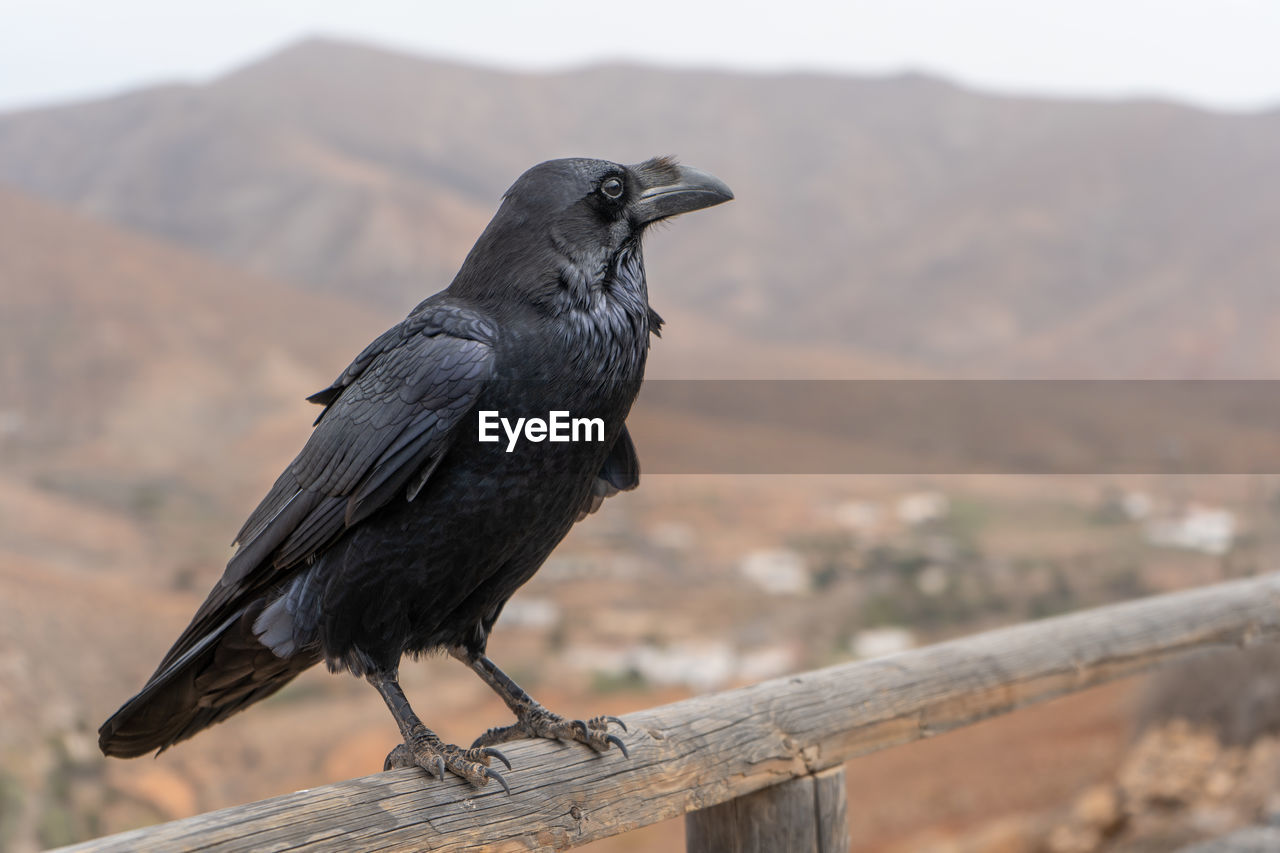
(612, 188)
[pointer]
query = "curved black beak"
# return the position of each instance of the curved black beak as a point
(669, 189)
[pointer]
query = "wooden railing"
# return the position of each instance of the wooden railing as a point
(754, 769)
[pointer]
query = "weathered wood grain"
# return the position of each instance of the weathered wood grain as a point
(777, 819)
(802, 815)
(832, 804)
(703, 751)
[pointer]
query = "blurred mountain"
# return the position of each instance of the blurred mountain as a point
(912, 223)
(179, 266)
(150, 394)
(123, 346)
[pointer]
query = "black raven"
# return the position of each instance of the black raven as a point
(398, 531)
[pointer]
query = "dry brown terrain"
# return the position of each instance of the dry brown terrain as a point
(902, 216)
(202, 257)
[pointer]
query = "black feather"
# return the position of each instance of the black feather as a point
(396, 530)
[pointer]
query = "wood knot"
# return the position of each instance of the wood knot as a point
(576, 813)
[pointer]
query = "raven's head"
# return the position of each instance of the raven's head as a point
(584, 212)
(599, 201)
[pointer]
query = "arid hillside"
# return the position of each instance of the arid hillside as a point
(150, 396)
(102, 325)
(903, 216)
(181, 266)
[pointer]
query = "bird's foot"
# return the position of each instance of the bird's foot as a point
(424, 749)
(539, 722)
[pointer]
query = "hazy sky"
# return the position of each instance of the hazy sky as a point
(1221, 53)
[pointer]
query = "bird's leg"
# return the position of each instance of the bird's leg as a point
(423, 748)
(533, 720)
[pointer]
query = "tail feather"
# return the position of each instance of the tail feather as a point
(225, 672)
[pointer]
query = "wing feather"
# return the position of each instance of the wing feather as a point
(390, 417)
(619, 473)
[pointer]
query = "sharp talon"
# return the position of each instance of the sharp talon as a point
(439, 768)
(580, 727)
(398, 758)
(493, 753)
(494, 774)
(617, 741)
(621, 724)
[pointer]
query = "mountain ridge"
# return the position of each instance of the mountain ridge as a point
(906, 217)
